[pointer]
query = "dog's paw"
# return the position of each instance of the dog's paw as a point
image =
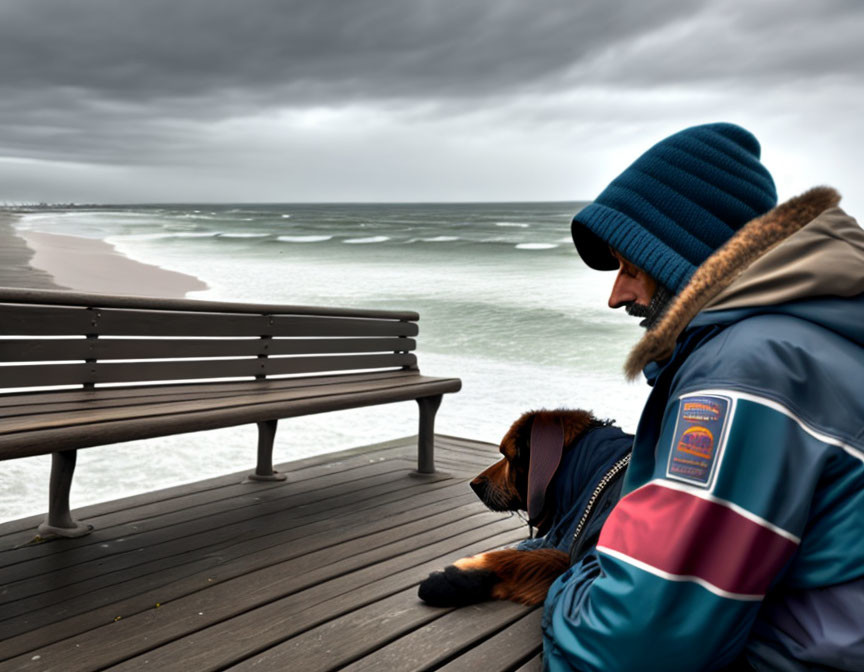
(455, 587)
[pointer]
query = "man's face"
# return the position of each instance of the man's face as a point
(633, 287)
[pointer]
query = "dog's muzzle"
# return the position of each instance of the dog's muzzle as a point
(480, 486)
(492, 496)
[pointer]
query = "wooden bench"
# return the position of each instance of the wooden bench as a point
(82, 370)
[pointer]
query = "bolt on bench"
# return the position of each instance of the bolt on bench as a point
(83, 370)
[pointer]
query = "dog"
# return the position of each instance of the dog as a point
(523, 479)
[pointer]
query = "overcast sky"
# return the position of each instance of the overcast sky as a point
(420, 100)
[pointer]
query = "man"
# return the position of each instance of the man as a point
(739, 538)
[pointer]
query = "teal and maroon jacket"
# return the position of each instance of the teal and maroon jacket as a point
(740, 531)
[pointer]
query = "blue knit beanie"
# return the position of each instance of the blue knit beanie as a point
(677, 203)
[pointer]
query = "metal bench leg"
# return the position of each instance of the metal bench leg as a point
(60, 522)
(264, 469)
(426, 439)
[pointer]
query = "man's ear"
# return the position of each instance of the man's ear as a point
(547, 445)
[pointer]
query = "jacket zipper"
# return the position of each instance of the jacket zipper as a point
(601, 486)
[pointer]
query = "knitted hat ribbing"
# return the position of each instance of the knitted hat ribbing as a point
(677, 203)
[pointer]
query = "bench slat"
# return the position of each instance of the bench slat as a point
(23, 444)
(155, 323)
(11, 403)
(68, 321)
(47, 350)
(14, 295)
(44, 320)
(112, 372)
(245, 395)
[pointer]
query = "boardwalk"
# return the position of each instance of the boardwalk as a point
(316, 573)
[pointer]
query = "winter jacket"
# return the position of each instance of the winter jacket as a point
(740, 531)
(581, 503)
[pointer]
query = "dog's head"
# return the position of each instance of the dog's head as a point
(531, 451)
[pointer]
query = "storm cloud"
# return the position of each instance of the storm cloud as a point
(386, 100)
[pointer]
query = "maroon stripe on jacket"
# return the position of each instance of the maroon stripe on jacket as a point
(683, 534)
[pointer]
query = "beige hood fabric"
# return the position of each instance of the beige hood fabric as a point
(825, 258)
(803, 248)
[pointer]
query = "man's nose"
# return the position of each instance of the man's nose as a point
(623, 290)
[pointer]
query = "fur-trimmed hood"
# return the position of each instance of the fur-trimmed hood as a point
(803, 248)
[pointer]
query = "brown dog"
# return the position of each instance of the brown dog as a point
(531, 451)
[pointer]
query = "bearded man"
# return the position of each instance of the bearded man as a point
(738, 541)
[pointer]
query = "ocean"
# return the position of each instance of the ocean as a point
(505, 304)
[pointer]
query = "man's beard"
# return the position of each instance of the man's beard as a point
(654, 310)
(638, 310)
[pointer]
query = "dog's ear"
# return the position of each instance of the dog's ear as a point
(547, 445)
(514, 445)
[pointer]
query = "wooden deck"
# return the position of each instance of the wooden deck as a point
(316, 573)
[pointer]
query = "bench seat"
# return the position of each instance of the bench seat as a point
(40, 422)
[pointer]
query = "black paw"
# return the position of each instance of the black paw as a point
(456, 588)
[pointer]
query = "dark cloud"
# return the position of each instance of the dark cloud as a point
(320, 50)
(130, 82)
(745, 44)
(204, 83)
(309, 52)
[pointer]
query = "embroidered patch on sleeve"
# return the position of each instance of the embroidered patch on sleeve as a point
(697, 444)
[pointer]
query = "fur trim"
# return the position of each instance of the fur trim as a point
(719, 270)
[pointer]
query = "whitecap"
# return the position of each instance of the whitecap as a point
(139, 236)
(520, 225)
(536, 246)
(167, 234)
(372, 239)
(243, 235)
(286, 216)
(440, 239)
(196, 216)
(304, 239)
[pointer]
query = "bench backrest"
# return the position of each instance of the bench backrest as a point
(50, 338)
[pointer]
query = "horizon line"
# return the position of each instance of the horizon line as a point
(75, 204)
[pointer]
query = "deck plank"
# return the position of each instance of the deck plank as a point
(214, 502)
(365, 482)
(318, 605)
(323, 568)
(138, 507)
(164, 581)
(518, 641)
(426, 647)
(535, 664)
(64, 597)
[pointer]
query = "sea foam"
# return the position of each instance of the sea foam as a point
(371, 239)
(536, 246)
(304, 239)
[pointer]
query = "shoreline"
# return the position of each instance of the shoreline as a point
(52, 261)
(15, 258)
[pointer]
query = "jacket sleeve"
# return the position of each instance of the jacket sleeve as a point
(685, 559)
(532, 544)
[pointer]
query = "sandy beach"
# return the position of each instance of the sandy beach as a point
(15, 256)
(51, 261)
